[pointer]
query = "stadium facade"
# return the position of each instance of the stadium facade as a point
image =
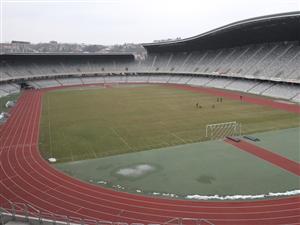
(259, 55)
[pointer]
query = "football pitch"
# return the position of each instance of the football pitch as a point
(85, 123)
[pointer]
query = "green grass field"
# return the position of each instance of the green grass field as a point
(90, 123)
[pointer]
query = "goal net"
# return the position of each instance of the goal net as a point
(222, 130)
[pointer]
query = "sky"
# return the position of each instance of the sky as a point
(125, 21)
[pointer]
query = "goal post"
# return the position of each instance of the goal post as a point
(222, 130)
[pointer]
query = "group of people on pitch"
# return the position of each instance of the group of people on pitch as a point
(219, 99)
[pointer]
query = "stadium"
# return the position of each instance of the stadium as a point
(204, 130)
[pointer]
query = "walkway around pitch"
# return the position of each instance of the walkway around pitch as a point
(271, 157)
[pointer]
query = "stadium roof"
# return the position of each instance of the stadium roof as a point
(264, 29)
(65, 56)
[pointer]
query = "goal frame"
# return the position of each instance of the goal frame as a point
(222, 130)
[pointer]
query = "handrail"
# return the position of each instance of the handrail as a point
(27, 210)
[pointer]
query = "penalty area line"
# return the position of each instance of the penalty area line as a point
(121, 138)
(178, 137)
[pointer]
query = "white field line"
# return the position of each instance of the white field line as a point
(121, 138)
(155, 146)
(49, 126)
(93, 151)
(178, 137)
(174, 135)
(72, 157)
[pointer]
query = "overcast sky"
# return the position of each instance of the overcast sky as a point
(130, 21)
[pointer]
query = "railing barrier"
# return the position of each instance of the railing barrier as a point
(27, 213)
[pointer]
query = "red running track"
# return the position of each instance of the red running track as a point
(26, 177)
